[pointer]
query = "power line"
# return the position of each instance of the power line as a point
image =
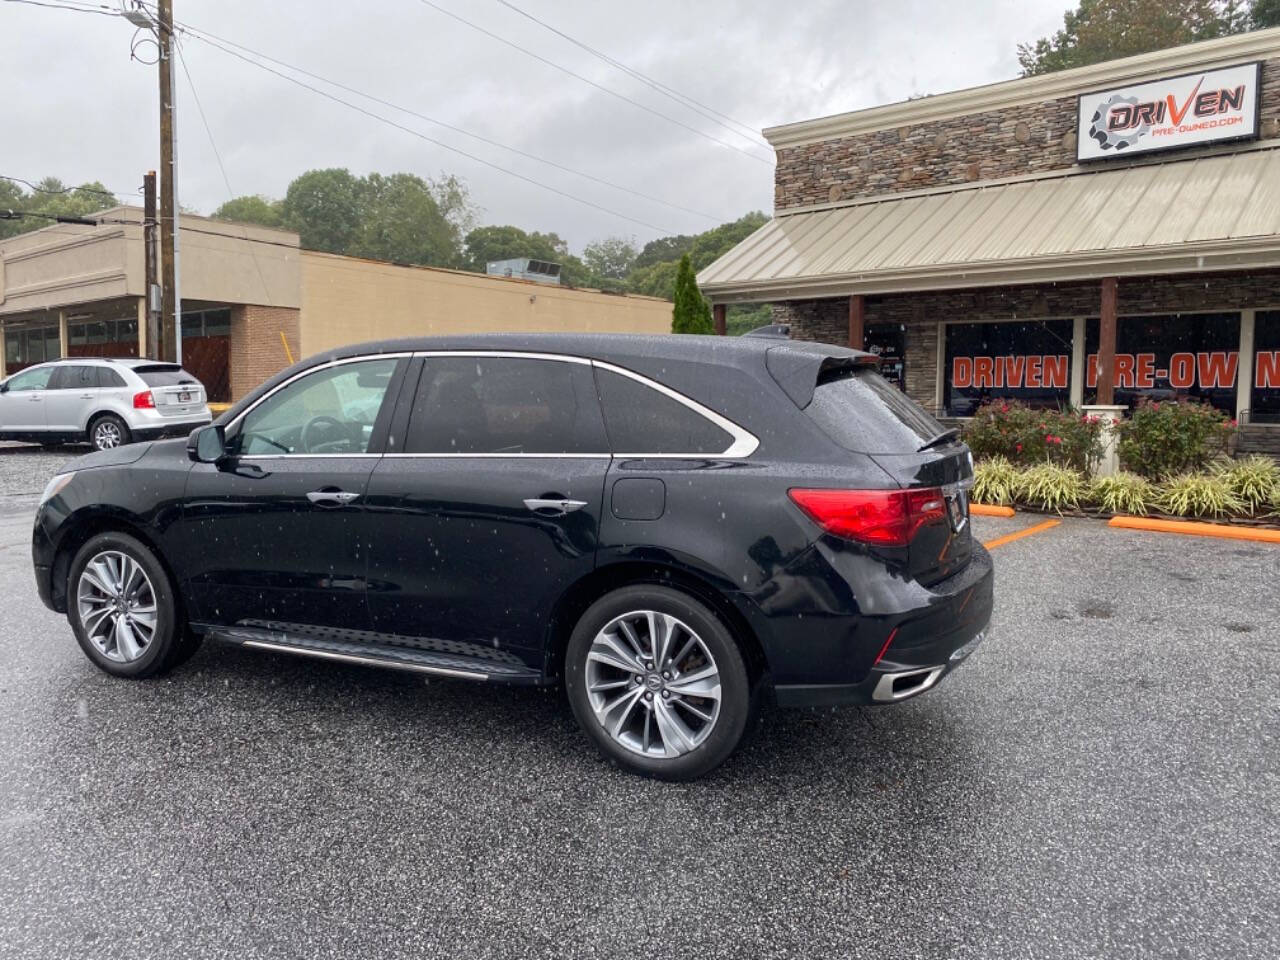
(201, 34)
(613, 93)
(76, 8)
(715, 116)
(439, 143)
(39, 189)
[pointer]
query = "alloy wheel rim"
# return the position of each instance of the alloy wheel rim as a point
(117, 606)
(106, 435)
(653, 684)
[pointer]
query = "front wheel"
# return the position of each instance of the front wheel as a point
(657, 681)
(122, 608)
(108, 431)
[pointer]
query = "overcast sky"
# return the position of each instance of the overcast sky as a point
(75, 106)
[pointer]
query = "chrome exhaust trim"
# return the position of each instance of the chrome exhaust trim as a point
(906, 683)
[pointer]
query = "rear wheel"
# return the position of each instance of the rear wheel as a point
(122, 608)
(108, 431)
(657, 681)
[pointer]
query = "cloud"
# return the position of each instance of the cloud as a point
(76, 107)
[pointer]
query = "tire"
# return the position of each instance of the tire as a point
(657, 725)
(108, 431)
(96, 616)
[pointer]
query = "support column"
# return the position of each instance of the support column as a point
(1107, 344)
(1077, 362)
(142, 326)
(4, 353)
(63, 339)
(857, 322)
(718, 315)
(1244, 365)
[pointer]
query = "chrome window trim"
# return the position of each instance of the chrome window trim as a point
(743, 445)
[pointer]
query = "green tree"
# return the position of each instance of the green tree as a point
(610, 258)
(325, 208)
(51, 198)
(1101, 30)
(401, 222)
(691, 313)
(663, 249)
(1264, 13)
(251, 209)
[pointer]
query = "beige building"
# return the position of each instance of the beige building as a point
(252, 299)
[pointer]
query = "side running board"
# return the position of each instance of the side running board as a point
(393, 657)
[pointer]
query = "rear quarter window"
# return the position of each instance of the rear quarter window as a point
(863, 412)
(639, 419)
(164, 376)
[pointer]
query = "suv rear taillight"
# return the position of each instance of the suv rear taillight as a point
(887, 518)
(144, 401)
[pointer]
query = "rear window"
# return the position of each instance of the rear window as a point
(863, 412)
(164, 375)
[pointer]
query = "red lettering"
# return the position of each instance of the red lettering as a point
(1014, 370)
(998, 364)
(1182, 371)
(982, 372)
(1217, 369)
(1145, 377)
(961, 372)
(1033, 372)
(1091, 371)
(1124, 370)
(1267, 374)
(1055, 372)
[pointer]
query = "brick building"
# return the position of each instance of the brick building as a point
(1090, 236)
(252, 300)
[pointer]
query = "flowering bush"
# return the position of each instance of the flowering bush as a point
(1161, 439)
(1007, 428)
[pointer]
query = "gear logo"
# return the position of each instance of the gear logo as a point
(1113, 140)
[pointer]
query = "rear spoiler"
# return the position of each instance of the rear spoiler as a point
(798, 367)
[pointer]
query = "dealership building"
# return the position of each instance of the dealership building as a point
(1090, 236)
(253, 300)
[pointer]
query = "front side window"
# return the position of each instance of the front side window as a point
(642, 420)
(37, 379)
(505, 405)
(330, 411)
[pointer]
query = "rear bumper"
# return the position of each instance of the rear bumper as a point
(882, 686)
(913, 639)
(164, 430)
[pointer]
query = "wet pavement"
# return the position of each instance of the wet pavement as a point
(1102, 779)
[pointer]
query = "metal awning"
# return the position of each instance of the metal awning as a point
(1184, 216)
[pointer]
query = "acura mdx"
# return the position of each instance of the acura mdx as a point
(673, 528)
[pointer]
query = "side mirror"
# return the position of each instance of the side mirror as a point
(207, 444)
(4, 387)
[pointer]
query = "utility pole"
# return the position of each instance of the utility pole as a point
(171, 299)
(151, 259)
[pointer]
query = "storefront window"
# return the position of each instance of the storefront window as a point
(888, 341)
(207, 323)
(13, 350)
(1264, 403)
(1025, 360)
(1172, 356)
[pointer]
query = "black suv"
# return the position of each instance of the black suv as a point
(673, 527)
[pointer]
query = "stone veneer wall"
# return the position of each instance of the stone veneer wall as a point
(983, 146)
(828, 319)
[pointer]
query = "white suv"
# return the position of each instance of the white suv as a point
(106, 401)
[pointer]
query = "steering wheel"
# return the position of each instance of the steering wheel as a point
(313, 446)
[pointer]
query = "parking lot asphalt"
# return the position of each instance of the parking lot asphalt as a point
(1101, 779)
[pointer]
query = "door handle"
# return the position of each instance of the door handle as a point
(331, 498)
(554, 508)
(86, 396)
